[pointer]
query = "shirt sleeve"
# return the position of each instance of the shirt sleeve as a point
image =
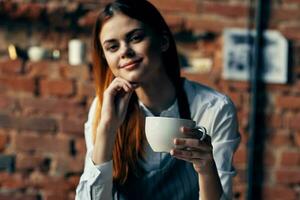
(225, 140)
(96, 180)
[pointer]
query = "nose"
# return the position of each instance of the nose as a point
(127, 51)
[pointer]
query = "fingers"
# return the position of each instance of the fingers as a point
(194, 151)
(198, 132)
(120, 85)
(119, 88)
(190, 155)
(193, 143)
(125, 102)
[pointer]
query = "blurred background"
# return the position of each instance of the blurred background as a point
(46, 88)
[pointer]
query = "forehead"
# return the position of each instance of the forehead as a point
(117, 26)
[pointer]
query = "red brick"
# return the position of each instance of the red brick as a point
(297, 138)
(56, 40)
(268, 174)
(240, 86)
(3, 140)
(80, 147)
(3, 89)
(241, 174)
(246, 99)
(236, 97)
(225, 9)
(239, 191)
(274, 121)
(44, 144)
(73, 181)
(269, 158)
(291, 1)
(18, 83)
(80, 73)
(293, 122)
(55, 196)
(296, 88)
(50, 183)
(29, 162)
(86, 89)
(11, 67)
(285, 14)
(291, 32)
(243, 118)
(240, 156)
(6, 103)
(30, 11)
(16, 182)
(57, 87)
(41, 69)
(206, 79)
(71, 195)
(290, 159)
(39, 124)
(282, 88)
(244, 136)
(6, 121)
(63, 165)
(288, 102)
(18, 196)
(279, 192)
(7, 6)
(187, 6)
(212, 24)
(296, 60)
(174, 20)
(88, 19)
(68, 107)
(288, 176)
(73, 127)
(279, 138)
(4, 176)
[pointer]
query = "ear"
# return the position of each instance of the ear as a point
(165, 42)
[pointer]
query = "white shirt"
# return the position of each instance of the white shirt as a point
(209, 108)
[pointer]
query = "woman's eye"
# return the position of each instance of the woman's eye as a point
(112, 48)
(137, 38)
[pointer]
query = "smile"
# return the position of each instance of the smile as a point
(132, 64)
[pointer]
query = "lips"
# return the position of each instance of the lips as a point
(132, 63)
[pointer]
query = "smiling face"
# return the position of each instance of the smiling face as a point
(132, 50)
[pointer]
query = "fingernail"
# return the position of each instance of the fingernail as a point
(172, 152)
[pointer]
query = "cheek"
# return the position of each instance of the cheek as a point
(110, 59)
(112, 63)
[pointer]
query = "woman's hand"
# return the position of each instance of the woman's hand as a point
(115, 102)
(199, 152)
(114, 108)
(194, 150)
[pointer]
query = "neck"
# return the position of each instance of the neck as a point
(157, 94)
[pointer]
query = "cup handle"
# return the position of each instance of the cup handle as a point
(203, 130)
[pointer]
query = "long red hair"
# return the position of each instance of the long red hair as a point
(128, 147)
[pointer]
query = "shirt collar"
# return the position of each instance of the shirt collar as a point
(171, 111)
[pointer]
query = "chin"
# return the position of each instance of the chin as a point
(133, 77)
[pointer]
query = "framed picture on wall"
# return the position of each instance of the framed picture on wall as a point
(239, 55)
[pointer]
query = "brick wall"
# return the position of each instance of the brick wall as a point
(43, 105)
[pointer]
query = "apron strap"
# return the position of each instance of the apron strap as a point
(183, 103)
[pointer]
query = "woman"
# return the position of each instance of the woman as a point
(137, 74)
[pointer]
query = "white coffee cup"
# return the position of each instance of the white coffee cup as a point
(161, 131)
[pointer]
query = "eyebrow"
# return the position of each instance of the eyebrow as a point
(126, 36)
